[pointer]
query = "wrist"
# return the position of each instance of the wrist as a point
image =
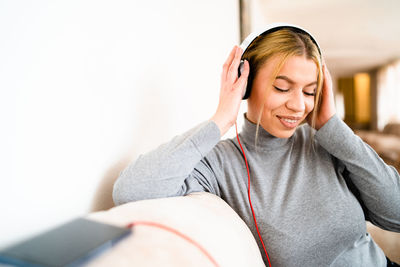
(222, 125)
(322, 123)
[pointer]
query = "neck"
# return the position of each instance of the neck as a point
(263, 139)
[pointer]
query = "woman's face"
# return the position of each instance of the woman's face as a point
(289, 100)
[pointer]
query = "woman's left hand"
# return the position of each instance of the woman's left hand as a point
(327, 106)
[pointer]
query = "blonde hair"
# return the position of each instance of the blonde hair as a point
(284, 43)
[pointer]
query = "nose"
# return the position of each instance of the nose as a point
(296, 101)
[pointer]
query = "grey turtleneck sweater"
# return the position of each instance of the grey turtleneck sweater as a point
(306, 213)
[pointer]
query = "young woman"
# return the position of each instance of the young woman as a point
(313, 184)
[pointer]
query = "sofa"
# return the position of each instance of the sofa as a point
(222, 238)
(204, 218)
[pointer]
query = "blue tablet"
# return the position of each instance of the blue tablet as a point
(70, 244)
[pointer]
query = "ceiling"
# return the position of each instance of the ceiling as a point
(355, 35)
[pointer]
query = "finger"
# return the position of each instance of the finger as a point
(325, 85)
(233, 69)
(242, 81)
(228, 62)
(327, 92)
(327, 77)
(326, 71)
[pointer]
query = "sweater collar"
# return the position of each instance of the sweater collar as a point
(265, 139)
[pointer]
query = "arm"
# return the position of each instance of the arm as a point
(378, 183)
(180, 167)
(169, 169)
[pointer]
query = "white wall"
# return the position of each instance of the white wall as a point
(88, 85)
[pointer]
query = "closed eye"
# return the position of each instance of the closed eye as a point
(281, 90)
(310, 94)
(287, 90)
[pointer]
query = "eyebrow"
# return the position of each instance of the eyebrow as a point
(282, 77)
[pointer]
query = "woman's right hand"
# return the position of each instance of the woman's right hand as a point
(232, 91)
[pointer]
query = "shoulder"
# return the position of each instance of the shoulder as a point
(304, 134)
(225, 152)
(305, 137)
(226, 148)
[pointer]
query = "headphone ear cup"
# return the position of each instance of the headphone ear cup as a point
(240, 70)
(241, 67)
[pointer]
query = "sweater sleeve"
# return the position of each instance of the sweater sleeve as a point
(170, 169)
(377, 182)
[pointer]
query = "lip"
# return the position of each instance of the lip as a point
(288, 124)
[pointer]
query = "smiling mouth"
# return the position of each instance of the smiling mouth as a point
(289, 122)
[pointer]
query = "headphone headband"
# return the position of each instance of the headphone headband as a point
(272, 28)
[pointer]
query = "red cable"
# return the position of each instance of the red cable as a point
(248, 192)
(130, 225)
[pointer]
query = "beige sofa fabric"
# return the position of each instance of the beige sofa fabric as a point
(204, 217)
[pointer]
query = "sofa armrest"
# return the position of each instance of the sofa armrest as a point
(203, 217)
